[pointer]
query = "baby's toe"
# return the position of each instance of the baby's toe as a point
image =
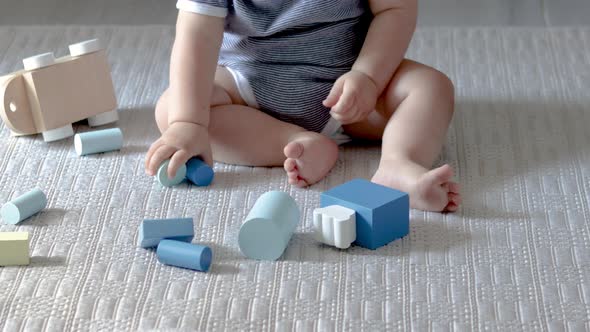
(451, 207)
(293, 150)
(293, 177)
(290, 165)
(455, 198)
(301, 183)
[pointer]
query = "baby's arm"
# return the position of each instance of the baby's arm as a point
(354, 95)
(192, 71)
(388, 39)
(192, 67)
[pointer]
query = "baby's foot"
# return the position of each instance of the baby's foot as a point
(429, 191)
(310, 156)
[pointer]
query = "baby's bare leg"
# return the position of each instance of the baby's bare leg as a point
(246, 136)
(412, 118)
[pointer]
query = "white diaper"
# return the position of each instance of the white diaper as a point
(335, 131)
(333, 128)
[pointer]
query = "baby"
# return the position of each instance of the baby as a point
(283, 82)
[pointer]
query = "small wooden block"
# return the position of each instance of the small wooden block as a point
(186, 255)
(382, 213)
(269, 226)
(335, 225)
(152, 231)
(164, 180)
(14, 248)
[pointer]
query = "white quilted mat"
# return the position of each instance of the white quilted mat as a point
(515, 257)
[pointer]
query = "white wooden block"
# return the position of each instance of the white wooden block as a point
(335, 225)
(58, 133)
(39, 61)
(14, 248)
(85, 47)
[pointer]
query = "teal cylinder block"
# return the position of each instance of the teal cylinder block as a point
(98, 141)
(269, 226)
(23, 206)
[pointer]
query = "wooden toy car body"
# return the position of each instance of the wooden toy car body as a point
(50, 94)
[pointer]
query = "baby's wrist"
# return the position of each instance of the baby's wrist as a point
(188, 108)
(366, 75)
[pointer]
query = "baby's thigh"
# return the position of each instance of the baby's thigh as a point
(225, 91)
(416, 79)
(429, 85)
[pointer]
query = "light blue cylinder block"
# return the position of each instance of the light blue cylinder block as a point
(23, 206)
(186, 255)
(198, 172)
(269, 226)
(166, 181)
(98, 141)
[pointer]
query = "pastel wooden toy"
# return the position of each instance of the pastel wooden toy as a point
(50, 94)
(382, 213)
(14, 248)
(98, 141)
(152, 231)
(335, 225)
(185, 255)
(163, 178)
(269, 226)
(198, 172)
(23, 206)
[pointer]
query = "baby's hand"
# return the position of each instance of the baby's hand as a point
(180, 142)
(353, 97)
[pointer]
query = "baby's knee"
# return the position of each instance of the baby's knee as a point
(161, 112)
(440, 85)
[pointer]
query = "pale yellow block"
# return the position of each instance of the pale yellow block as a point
(14, 248)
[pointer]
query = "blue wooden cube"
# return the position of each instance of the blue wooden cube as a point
(382, 213)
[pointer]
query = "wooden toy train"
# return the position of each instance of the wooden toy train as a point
(50, 94)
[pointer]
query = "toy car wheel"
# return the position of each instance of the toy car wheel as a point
(85, 47)
(103, 118)
(58, 133)
(39, 61)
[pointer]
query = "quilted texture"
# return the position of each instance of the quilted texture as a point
(515, 257)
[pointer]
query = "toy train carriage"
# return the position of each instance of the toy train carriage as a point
(50, 94)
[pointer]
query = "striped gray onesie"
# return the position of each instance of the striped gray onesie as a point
(286, 54)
